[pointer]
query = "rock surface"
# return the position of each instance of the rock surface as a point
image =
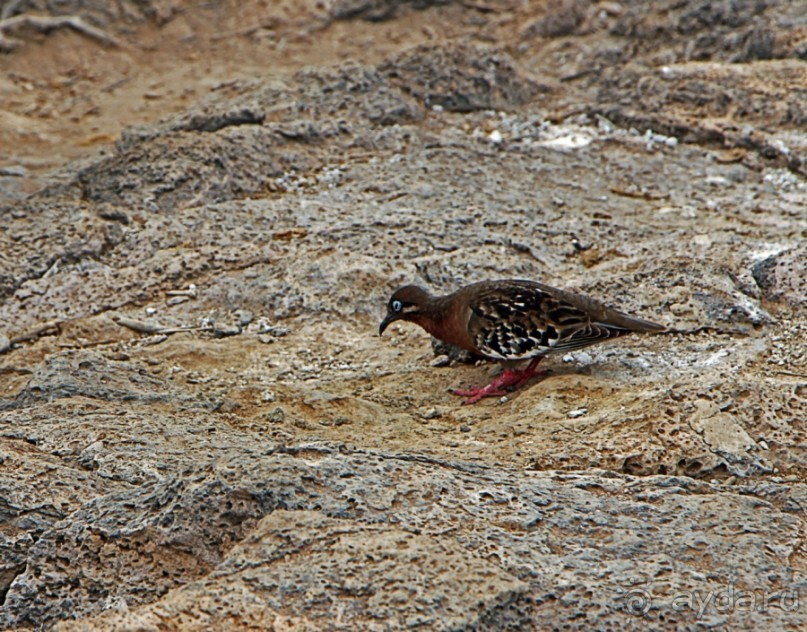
(200, 429)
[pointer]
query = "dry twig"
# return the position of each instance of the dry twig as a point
(6, 344)
(48, 23)
(148, 328)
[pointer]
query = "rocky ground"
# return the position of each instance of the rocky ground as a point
(203, 213)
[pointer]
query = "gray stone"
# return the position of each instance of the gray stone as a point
(783, 277)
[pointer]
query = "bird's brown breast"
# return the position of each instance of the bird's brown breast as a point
(448, 321)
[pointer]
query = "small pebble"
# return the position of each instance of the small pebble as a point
(228, 406)
(580, 357)
(244, 317)
(278, 331)
(465, 428)
(431, 413)
(717, 181)
(224, 330)
(574, 414)
(176, 300)
(276, 415)
(16, 171)
(5, 344)
(441, 360)
(317, 396)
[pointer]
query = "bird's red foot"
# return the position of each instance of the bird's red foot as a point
(478, 392)
(507, 382)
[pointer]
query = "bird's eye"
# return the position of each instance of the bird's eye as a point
(397, 306)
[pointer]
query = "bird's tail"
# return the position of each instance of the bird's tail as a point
(631, 323)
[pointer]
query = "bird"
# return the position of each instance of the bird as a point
(511, 321)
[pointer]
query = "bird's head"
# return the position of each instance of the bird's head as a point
(406, 303)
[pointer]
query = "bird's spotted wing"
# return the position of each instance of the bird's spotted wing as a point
(516, 321)
(509, 322)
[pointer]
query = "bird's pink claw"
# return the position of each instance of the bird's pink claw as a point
(507, 382)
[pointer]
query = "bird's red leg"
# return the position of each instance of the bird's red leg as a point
(507, 382)
(529, 372)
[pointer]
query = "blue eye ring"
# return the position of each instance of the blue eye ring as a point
(397, 306)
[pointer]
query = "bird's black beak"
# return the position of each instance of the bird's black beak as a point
(385, 323)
